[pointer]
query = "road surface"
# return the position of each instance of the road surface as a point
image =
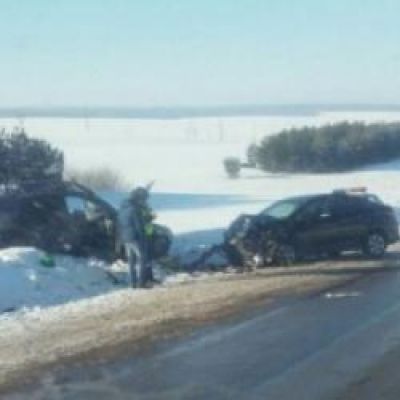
(334, 345)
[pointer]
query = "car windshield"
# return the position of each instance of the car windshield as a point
(285, 208)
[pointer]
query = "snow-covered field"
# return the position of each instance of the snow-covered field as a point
(191, 193)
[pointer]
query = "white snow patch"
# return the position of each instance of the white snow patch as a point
(26, 283)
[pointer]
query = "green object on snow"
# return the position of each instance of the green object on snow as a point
(47, 260)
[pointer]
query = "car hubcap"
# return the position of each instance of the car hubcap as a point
(376, 244)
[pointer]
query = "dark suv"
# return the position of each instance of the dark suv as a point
(66, 217)
(324, 224)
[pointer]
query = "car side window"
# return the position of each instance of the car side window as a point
(315, 208)
(345, 206)
(75, 204)
(339, 206)
(90, 211)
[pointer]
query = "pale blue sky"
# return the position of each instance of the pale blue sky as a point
(203, 52)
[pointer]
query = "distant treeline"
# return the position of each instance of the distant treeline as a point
(336, 147)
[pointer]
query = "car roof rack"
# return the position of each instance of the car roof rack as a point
(357, 190)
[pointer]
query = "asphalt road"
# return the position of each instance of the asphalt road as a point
(311, 348)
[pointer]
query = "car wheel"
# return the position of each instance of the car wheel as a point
(159, 247)
(375, 245)
(235, 259)
(285, 254)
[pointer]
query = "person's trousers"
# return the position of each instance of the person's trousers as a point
(137, 261)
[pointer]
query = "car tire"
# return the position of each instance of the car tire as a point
(374, 245)
(284, 255)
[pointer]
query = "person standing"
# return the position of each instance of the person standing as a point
(135, 225)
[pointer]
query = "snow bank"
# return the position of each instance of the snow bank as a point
(26, 283)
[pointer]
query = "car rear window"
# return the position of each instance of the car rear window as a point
(373, 198)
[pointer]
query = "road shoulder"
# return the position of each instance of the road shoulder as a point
(109, 325)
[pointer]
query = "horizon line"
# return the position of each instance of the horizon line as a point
(187, 111)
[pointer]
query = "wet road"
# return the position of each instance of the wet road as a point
(312, 348)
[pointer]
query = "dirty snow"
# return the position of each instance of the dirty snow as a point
(191, 194)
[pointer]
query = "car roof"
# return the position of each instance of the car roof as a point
(305, 197)
(366, 195)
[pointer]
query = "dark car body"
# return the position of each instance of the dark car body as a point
(64, 217)
(318, 224)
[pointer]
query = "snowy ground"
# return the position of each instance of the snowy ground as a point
(191, 195)
(27, 285)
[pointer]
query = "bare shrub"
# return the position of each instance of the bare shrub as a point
(232, 167)
(101, 178)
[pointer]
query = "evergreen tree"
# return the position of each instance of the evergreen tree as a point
(333, 147)
(25, 159)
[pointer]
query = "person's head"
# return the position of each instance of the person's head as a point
(139, 195)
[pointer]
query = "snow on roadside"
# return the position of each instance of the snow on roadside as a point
(26, 283)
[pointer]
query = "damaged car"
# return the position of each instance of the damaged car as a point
(66, 217)
(313, 225)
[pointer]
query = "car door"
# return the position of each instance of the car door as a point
(348, 222)
(312, 226)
